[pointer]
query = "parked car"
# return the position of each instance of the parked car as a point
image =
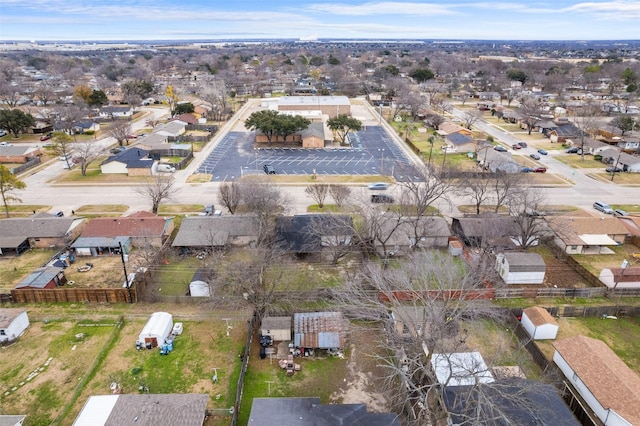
(117, 149)
(613, 169)
(573, 150)
(3, 132)
(381, 198)
(268, 169)
(522, 144)
(166, 168)
(542, 152)
(5, 144)
(526, 170)
(46, 137)
(534, 156)
(500, 148)
(603, 207)
(132, 136)
(620, 212)
(378, 186)
(516, 146)
(539, 170)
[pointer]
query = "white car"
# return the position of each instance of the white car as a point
(380, 186)
(5, 144)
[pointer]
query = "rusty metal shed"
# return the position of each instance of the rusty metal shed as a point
(320, 330)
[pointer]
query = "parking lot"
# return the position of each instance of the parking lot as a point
(372, 152)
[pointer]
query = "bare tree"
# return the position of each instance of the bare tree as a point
(62, 145)
(504, 186)
(585, 118)
(229, 195)
(477, 188)
(68, 116)
(267, 202)
(430, 297)
(340, 194)
(318, 193)
(119, 130)
(525, 207)
(470, 118)
(157, 189)
(530, 110)
(85, 153)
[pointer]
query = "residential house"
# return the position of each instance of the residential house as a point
(278, 328)
(632, 223)
(412, 232)
(131, 162)
(46, 277)
(563, 132)
(172, 129)
(18, 235)
(111, 112)
(18, 154)
(319, 330)
(177, 409)
(485, 105)
(487, 229)
(460, 142)
(219, 232)
(605, 383)
(309, 233)
(297, 411)
(497, 161)
(512, 401)
(143, 228)
(579, 234)
(84, 126)
(13, 323)
(449, 127)
(617, 158)
(591, 146)
(627, 277)
(520, 267)
(539, 323)
(187, 118)
(461, 369)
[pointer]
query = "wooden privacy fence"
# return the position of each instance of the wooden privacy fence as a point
(92, 295)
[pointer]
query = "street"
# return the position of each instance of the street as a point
(68, 197)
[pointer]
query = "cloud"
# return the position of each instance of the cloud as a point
(610, 10)
(383, 8)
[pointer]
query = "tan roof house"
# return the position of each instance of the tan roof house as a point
(588, 234)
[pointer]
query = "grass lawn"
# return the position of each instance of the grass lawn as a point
(63, 354)
(621, 335)
(202, 348)
(24, 210)
(577, 162)
(595, 263)
(102, 208)
(14, 269)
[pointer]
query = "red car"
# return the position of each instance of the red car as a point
(539, 170)
(45, 137)
(516, 146)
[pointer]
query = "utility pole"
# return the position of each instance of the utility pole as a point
(126, 276)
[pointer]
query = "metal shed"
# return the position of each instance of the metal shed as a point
(319, 330)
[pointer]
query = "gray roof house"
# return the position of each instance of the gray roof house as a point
(19, 234)
(309, 411)
(216, 231)
(627, 162)
(133, 162)
(144, 409)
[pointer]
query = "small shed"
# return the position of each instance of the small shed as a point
(199, 287)
(628, 277)
(156, 330)
(539, 323)
(319, 330)
(13, 322)
(44, 278)
(521, 268)
(279, 328)
(461, 369)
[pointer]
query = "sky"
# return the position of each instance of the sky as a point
(47, 20)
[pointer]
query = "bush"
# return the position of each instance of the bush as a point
(597, 157)
(90, 132)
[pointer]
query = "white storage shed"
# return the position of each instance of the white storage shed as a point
(539, 323)
(156, 330)
(278, 328)
(521, 268)
(13, 322)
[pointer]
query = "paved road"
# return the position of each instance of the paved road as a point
(69, 197)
